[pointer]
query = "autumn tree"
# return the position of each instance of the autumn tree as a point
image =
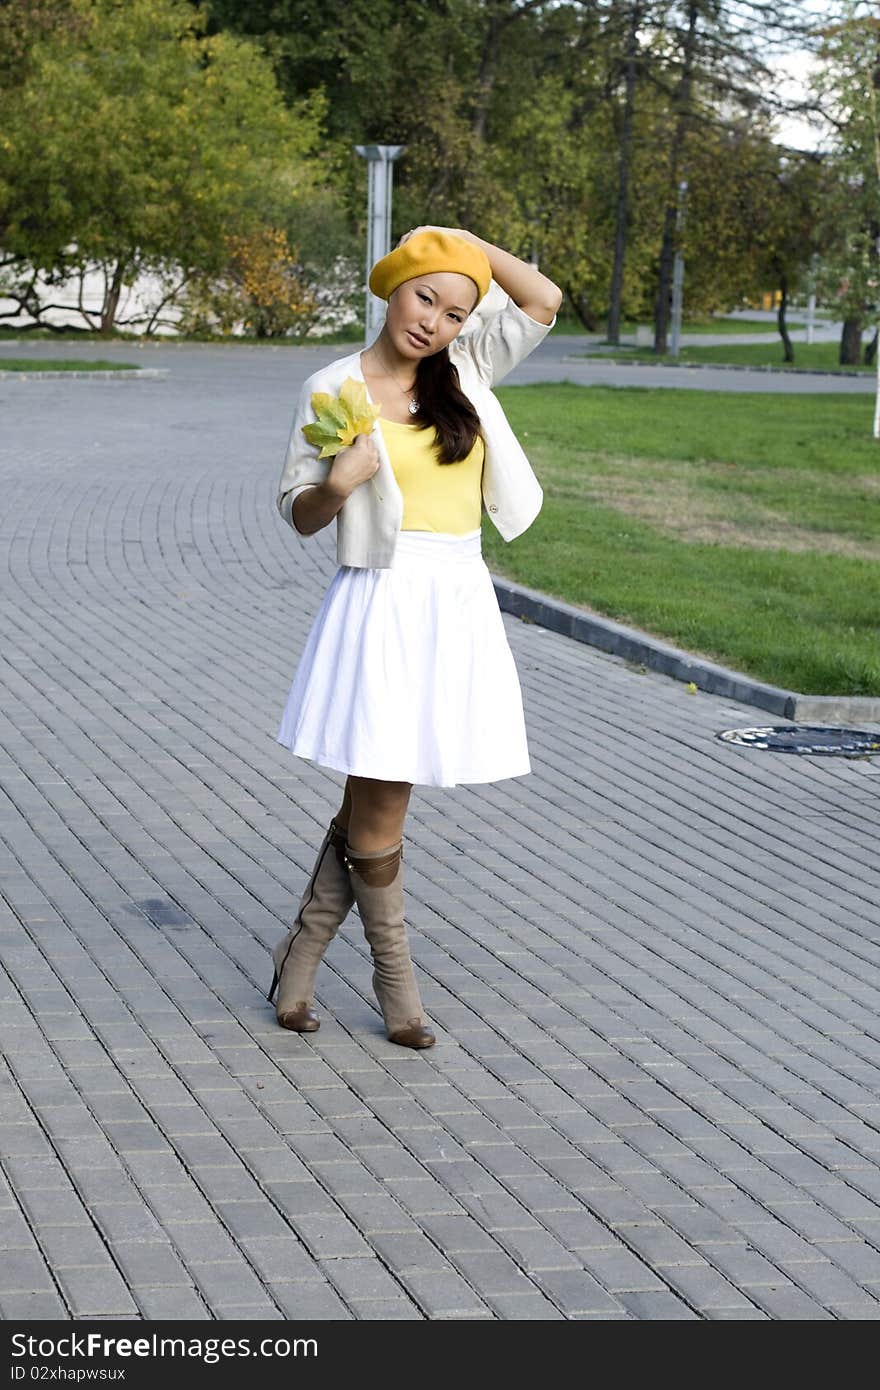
(136, 142)
(261, 290)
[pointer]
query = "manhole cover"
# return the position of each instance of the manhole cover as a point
(807, 738)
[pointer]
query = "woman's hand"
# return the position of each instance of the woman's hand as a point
(353, 466)
(533, 292)
(316, 506)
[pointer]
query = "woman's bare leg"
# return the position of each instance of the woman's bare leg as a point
(342, 816)
(378, 811)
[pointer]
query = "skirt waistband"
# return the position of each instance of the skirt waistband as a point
(438, 545)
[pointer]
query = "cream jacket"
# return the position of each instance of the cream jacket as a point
(497, 335)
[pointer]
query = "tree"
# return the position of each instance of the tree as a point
(135, 142)
(848, 85)
(634, 21)
(789, 231)
(755, 220)
(152, 134)
(716, 75)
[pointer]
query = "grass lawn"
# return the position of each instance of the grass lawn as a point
(49, 364)
(705, 325)
(46, 335)
(818, 356)
(744, 528)
(743, 325)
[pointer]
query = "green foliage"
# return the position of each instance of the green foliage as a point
(845, 84)
(752, 219)
(145, 134)
(135, 141)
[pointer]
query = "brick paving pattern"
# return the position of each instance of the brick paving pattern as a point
(652, 964)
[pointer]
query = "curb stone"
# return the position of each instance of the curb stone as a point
(633, 645)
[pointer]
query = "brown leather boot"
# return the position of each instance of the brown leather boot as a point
(324, 907)
(377, 883)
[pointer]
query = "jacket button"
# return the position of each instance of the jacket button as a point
(493, 508)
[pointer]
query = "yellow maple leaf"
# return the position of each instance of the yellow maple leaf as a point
(340, 419)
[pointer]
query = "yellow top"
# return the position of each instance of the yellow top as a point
(436, 496)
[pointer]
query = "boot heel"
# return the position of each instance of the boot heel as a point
(415, 1034)
(271, 995)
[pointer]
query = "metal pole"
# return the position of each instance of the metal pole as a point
(677, 287)
(380, 163)
(678, 275)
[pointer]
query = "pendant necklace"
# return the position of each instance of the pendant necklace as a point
(413, 405)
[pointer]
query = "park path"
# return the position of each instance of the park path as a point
(652, 964)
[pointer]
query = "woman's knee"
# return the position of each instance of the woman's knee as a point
(381, 798)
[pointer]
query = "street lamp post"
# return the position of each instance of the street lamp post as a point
(678, 274)
(380, 161)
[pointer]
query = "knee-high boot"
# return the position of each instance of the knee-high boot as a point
(324, 907)
(377, 884)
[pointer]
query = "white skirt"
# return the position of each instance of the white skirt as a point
(407, 675)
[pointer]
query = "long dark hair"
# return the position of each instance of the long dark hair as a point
(443, 404)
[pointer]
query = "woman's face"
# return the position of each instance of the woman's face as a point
(426, 313)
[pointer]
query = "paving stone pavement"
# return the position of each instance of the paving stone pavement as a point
(652, 964)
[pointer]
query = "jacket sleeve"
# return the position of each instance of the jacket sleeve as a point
(302, 467)
(502, 336)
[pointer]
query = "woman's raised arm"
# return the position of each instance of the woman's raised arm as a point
(531, 291)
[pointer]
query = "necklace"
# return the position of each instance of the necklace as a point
(413, 404)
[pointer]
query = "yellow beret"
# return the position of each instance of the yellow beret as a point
(426, 252)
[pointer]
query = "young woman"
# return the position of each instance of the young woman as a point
(406, 677)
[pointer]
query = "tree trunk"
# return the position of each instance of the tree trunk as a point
(579, 303)
(486, 75)
(780, 319)
(663, 304)
(501, 13)
(870, 355)
(876, 431)
(621, 222)
(850, 343)
(111, 298)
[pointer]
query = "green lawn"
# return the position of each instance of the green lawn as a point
(744, 528)
(703, 325)
(817, 356)
(68, 364)
(750, 326)
(46, 335)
